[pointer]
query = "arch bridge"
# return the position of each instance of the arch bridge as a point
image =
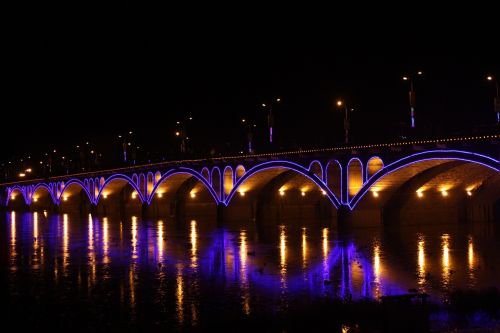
(445, 179)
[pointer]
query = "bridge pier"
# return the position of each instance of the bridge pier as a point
(344, 220)
(221, 215)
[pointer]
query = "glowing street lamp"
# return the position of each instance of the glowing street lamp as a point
(412, 96)
(343, 107)
(496, 101)
(270, 117)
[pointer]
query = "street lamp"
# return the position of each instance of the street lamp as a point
(270, 117)
(343, 107)
(496, 101)
(181, 133)
(248, 124)
(412, 96)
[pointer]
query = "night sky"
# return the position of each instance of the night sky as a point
(93, 79)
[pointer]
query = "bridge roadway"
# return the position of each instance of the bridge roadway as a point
(453, 178)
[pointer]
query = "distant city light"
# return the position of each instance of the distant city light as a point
(22, 174)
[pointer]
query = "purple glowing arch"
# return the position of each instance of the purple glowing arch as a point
(340, 175)
(452, 155)
(367, 173)
(119, 176)
(45, 186)
(286, 165)
(74, 181)
(16, 188)
(347, 176)
(182, 170)
(316, 162)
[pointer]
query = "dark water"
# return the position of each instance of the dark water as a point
(98, 273)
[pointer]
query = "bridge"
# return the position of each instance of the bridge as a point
(445, 179)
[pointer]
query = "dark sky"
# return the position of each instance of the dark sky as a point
(66, 82)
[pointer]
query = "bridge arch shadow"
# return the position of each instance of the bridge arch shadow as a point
(119, 194)
(447, 183)
(183, 193)
(75, 197)
(280, 192)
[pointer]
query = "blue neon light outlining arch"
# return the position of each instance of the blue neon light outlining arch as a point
(340, 175)
(286, 165)
(223, 190)
(347, 176)
(452, 155)
(74, 181)
(182, 170)
(16, 188)
(313, 162)
(119, 176)
(367, 174)
(45, 186)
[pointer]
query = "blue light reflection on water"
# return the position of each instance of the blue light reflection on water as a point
(180, 269)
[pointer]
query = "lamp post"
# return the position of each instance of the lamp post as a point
(496, 101)
(270, 117)
(246, 123)
(181, 132)
(343, 107)
(411, 96)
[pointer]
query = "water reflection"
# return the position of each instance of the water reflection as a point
(377, 268)
(179, 294)
(66, 252)
(91, 254)
(160, 242)
(421, 274)
(304, 251)
(326, 266)
(471, 263)
(13, 251)
(184, 270)
(194, 285)
(133, 265)
(245, 291)
(446, 264)
(283, 268)
(105, 241)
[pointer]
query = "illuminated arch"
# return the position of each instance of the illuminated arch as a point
(120, 176)
(285, 165)
(316, 168)
(76, 182)
(228, 181)
(333, 177)
(182, 170)
(206, 174)
(433, 155)
(239, 172)
(149, 183)
(157, 177)
(16, 188)
(216, 181)
(374, 165)
(355, 177)
(45, 187)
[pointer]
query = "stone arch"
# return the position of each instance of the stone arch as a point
(333, 177)
(216, 180)
(355, 177)
(316, 168)
(228, 180)
(374, 165)
(206, 174)
(414, 164)
(284, 165)
(157, 177)
(239, 172)
(149, 183)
